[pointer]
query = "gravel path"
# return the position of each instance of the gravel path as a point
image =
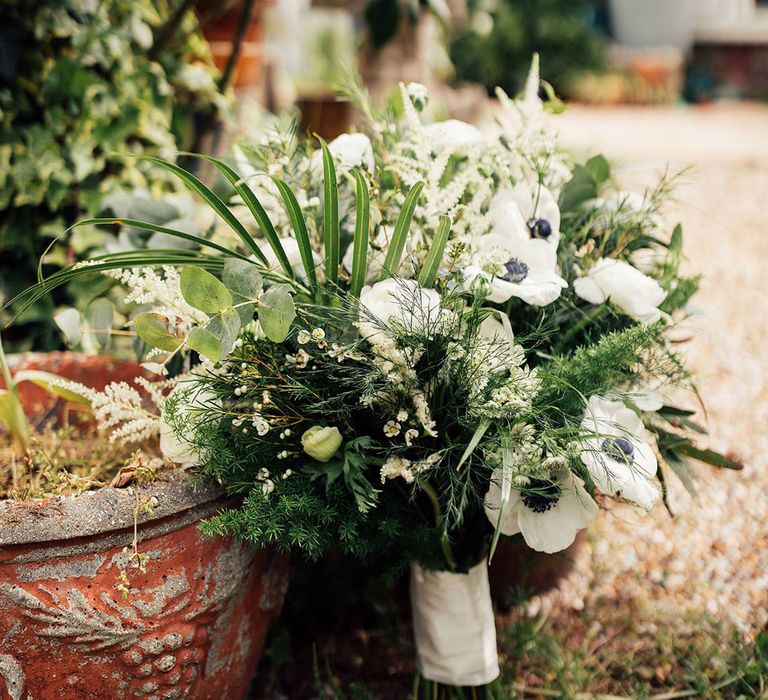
(713, 556)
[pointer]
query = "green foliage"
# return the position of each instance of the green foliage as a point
(558, 30)
(153, 329)
(84, 88)
(615, 360)
(204, 291)
(276, 312)
(362, 234)
(352, 467)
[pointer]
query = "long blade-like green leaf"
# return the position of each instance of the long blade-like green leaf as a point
(403, 224)
(258, 211)
(431, 265)
(474, 442)
(146, 226)
(112, 261)
(214, 201)
(300, 231)
(360, 243)
(331, 233)
(507, 460)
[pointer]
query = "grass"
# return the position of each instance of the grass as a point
(627, 654)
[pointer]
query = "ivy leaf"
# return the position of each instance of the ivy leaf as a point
(205, 343)
(225, 327)
(204, 291)
(276, 312)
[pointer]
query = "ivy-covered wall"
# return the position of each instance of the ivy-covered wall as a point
(85, 85)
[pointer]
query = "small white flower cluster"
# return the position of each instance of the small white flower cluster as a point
(161, 291)
(406, 469)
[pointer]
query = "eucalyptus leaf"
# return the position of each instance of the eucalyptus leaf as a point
(153, 329)
(69, 322)
(599, 168)
(205, 343)
(276, 312)
(242, 279)
(100, 315)
(225, 327)
(204, 291)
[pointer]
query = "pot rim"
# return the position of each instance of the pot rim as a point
(101, 511)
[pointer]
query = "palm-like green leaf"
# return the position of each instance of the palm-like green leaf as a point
(435, 256)
(112, 261)
(146, 226)
(300, 231)
(403, 224)
(362, 222)
(331, 233)
(214, 201)
(258, 211)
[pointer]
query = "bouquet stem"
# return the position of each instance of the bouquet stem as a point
(454, 627)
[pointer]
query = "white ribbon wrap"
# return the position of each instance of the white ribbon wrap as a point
(453, 626)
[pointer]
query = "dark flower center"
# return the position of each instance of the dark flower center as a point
(539, 228)
(517, 270)
(541, 495)
(619, 449)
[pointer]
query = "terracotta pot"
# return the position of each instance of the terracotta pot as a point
(95, 371)
(517, 569)
(220, 29)
(324, 114)
(192, 626)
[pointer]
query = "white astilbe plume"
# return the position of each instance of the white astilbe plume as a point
(529, 136)
(122, 410)
(416, 157)
(161, 290)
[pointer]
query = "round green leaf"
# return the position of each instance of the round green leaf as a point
(205, 343)
(204, 291)
(276, 313)
(154, 330)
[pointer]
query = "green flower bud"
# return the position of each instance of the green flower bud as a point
(321, 443)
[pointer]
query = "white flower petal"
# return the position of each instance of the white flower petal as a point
(627, 288)
(509, 523)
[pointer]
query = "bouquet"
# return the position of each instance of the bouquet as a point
(412, 341)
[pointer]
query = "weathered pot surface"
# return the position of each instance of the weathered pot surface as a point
(192, 626)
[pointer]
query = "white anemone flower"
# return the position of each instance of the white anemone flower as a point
(516, 267)
(632, 292)
(451, 135)
(548, 514)
(527, 213)
(619, 457)
(499, 340)
(291, 248)
(349, 151)
(398, 302)
(190, 401)
(377, 253)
